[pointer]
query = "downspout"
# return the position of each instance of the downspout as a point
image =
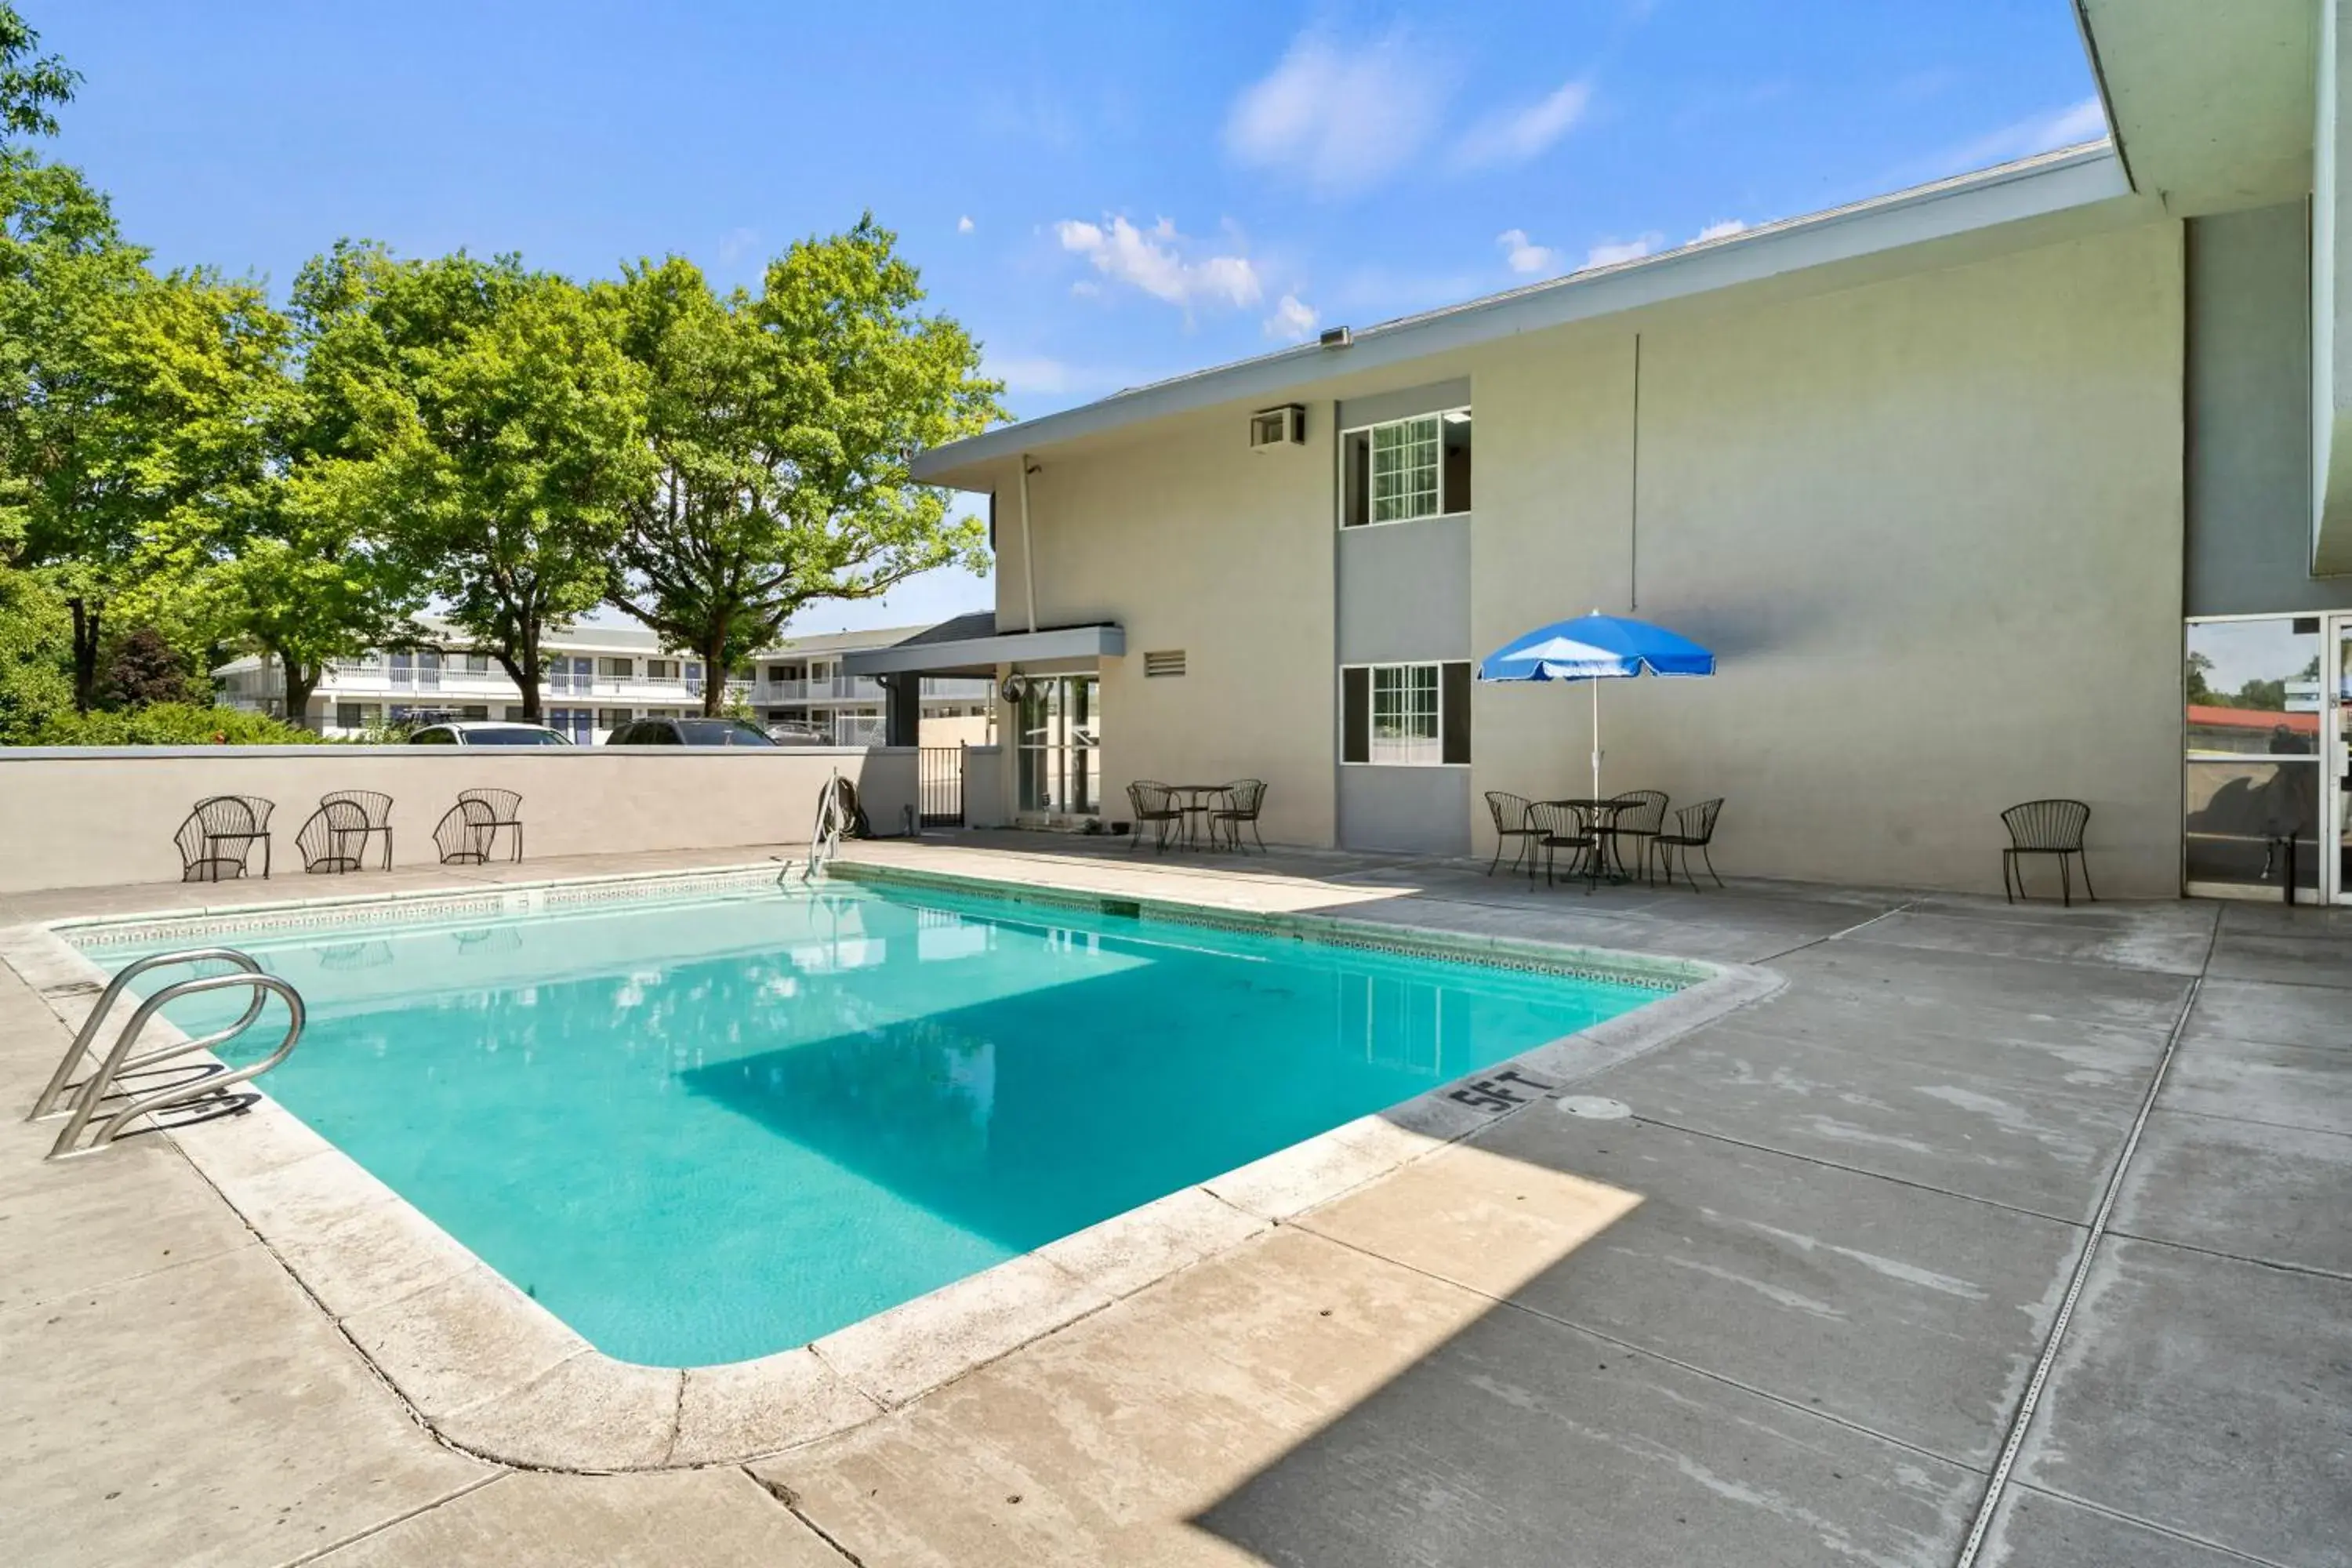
(1028, 557)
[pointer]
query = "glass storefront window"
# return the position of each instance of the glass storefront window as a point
(2252, 718)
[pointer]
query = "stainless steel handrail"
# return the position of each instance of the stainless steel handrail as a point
(58, 1087)
(825, 834)
(94, 1088)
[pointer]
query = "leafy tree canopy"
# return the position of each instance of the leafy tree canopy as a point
(782, 425)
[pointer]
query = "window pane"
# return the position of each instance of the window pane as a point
(1404, 713)
(1404, 469)
(1457, 460)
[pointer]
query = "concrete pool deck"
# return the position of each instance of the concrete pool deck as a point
(1784, 1312)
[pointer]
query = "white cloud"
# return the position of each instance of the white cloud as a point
(2077, 122)
(1523, 255)
(737, 244)
(963, 225)
(1515, 135)
(1723, 230)
(1610, 252)
(1340, 120)
(1157, 261)
(1293, 319)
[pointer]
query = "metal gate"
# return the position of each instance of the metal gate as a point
(940, 776)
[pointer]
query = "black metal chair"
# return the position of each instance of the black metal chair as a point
(336, 836)
(1513, 823)
(1153, 803)
(1243, 799)
(506, 811)
(2045, 828)
(220, 832)
(464, 832)
(1693, 829)
(1560, 826)
(1641, 819)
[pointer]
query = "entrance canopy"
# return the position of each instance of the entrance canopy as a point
(970, 644)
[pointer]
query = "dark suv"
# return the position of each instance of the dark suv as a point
(688, 733)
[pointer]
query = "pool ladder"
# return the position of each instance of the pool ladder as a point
(825, 834)
(91, 1092)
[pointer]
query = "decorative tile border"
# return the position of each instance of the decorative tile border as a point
(493, 1372)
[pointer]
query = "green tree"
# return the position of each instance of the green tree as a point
(782, 425)
(34, 639)
(496, 432)
(29, 87)
(301, 575)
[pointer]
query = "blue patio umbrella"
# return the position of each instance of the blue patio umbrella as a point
(1596, 648)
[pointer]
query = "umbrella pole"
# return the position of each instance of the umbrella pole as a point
(1596, 739)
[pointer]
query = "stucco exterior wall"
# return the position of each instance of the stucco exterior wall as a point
(1931, 526)
(78, 818)
(1191, 541)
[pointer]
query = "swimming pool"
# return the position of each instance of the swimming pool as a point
(705, 1130)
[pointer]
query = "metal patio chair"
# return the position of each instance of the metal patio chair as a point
(2046, 827)
(336, 835)
(1560, 826)
(463, 835)
(506, 811)
(1513, 823)
(1154, 802)
(220, 832)
(1643, 818)
(1693, 829)
(1244, 799)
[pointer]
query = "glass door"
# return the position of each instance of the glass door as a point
(2253, 713)
(1061, 726)
(2339, 763)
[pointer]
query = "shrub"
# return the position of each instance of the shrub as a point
(145, 668)
(170, 724)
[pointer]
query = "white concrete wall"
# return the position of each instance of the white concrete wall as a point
(1932, 523)
(1191, 541)
(73, 817)
(1931, 527)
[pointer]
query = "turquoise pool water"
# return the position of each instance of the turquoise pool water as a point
(705, 1131)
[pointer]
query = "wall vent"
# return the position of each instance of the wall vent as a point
(1284, 426)
(1166, 662)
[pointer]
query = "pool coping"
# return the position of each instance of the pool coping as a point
(490, 1371)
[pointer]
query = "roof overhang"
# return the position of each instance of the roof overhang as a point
(981, 656)
(2030, 188)
(2212, 101)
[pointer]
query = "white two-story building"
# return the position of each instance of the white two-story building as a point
(600, 677)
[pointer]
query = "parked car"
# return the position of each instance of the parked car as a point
(793, 732)
(688, 733)
(487, 732)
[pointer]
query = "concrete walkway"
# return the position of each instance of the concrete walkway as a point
(1784, 1312)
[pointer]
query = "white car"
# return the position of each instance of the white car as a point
(482, 733)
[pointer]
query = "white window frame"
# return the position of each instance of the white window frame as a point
(1444, 501)
(1436, 666)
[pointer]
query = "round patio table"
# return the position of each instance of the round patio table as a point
(1196, 801)
(1602, 823)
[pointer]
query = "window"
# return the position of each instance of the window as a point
(477, 663)
(661, 669)
(514, 714)
(612, 718)
(475, 712)
(617, 669)
(1405, 715)
(1406, 469)
(358, 715)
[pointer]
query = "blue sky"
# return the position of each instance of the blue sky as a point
(1104, 194)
